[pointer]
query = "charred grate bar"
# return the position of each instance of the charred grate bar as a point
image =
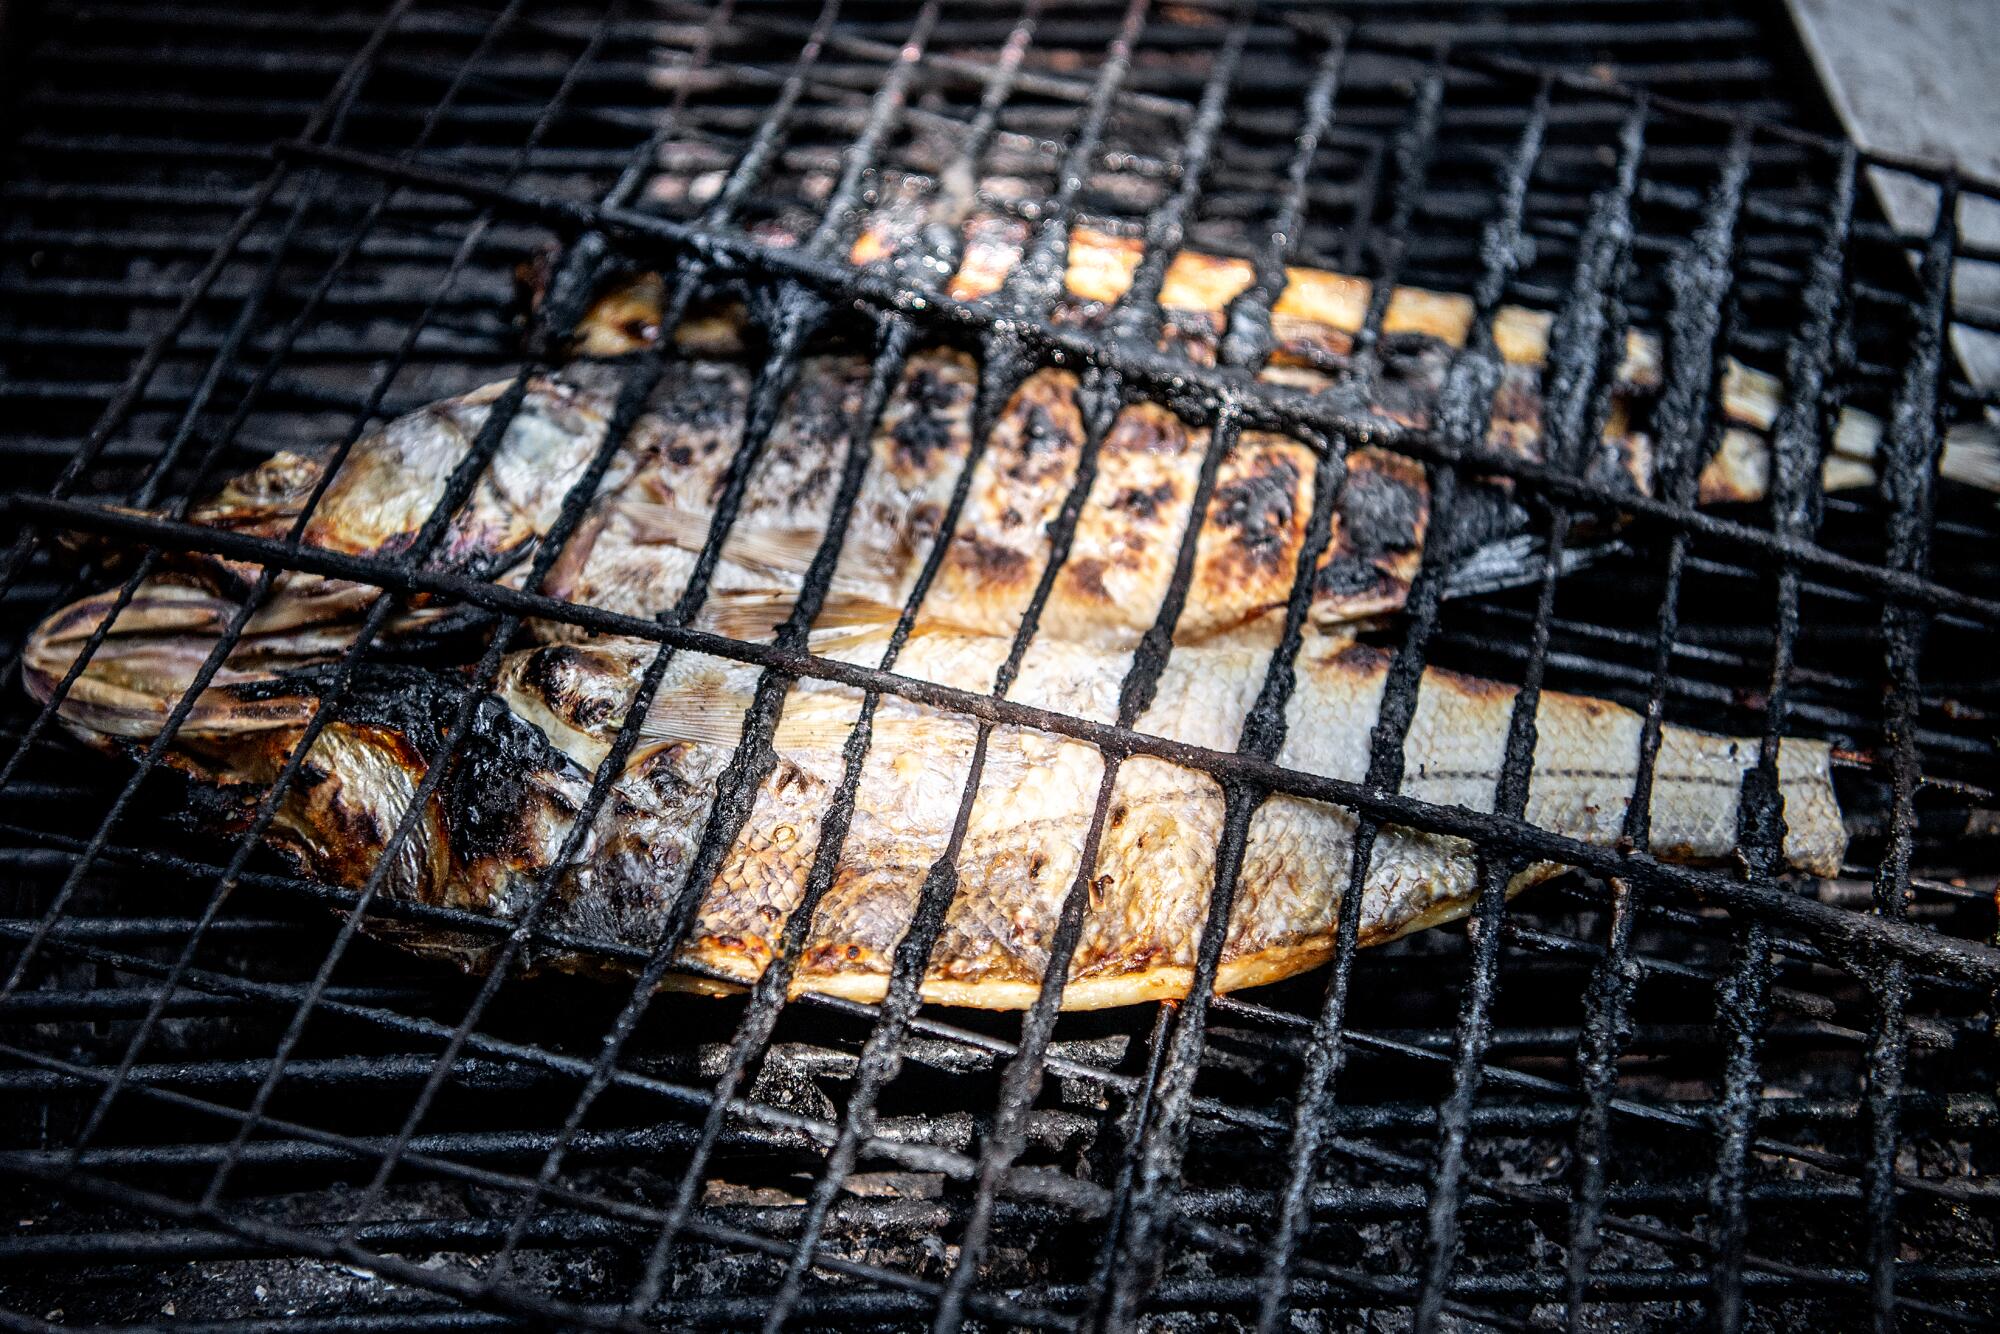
(1257, 1160)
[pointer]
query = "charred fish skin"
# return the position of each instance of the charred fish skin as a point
(1315, 316)
(1149, 888)
(638, 542)
(392, 478)
(493, 828)
(636, 549)
(546, 726)
(381, 494)
(477, 845)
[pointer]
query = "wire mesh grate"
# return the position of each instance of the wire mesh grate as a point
(1645, 1092)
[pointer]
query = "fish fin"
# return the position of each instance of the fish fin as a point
(754, 614)
(1513, 562)
(780, 549)
(1972, 455)
(666, 524)
(704, 715)
(850, 621)
(708, 714)
(841, 641)
(748, 614)
(853, 610)
(770, 547)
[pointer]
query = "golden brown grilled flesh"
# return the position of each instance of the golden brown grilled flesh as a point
(491, 831)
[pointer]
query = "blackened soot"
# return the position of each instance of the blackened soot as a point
(925, 429)
(1258, 508)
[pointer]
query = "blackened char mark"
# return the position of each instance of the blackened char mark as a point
(1411, 377)
(1041, 446)
(502, 764)
(1039, 432)
(989, 562)
(573, 685)
(697, 404)
(1256, 512)
(926, 427)
(1486, 511)
(1381, 514)
(819, 414)
(413, 701)
(1086, 577)
(499, 779)
(455, 634)
(1144, 502)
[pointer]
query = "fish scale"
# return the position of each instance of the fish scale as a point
(557, 706)
(1150, 883)
(1153, 872)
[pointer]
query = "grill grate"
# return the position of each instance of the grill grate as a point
(1643, 1093)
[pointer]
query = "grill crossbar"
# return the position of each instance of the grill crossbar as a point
(795, 291)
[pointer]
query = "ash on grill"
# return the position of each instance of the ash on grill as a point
(1621, 1103)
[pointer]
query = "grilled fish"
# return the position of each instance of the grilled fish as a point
(1312, 324)
(501, 812)
(493, 827)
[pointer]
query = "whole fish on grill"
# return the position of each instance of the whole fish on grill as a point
(489, 833)
(1311, 327)
(493, 827)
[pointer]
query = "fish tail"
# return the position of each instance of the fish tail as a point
(147, 655)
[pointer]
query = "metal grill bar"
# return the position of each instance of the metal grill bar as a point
(1788, 950)
(376, 618)
(563, 309)
(905, 1151)
(1209, 1108)
(1794, 448)
(260, 589)
(1028, 290)
(639, 1145)
(336, 112)
(1473, 394)
(1192, 389)
(1136, 318)
(1607, 1029)
(1916, 431)
(632, 396)
(118, 410)
(345, 1247)
(513, 1298)
(769, 995)
(794, 315)
(576, 1229)
(1530, 74)
(1413, 159)
(331, 1139)
(1847, 931)
(1688, 407)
